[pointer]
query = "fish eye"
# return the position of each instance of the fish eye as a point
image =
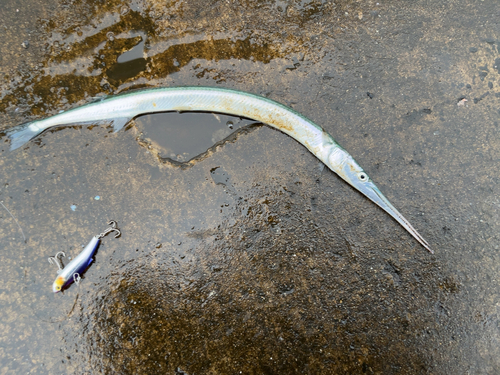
(362, 176)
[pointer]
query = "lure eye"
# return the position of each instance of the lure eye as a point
(362, 177)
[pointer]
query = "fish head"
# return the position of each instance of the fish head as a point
(359, 179)
(346, 167)
(58, 284)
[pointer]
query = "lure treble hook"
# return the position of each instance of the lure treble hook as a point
(113, 228)
(58, 262)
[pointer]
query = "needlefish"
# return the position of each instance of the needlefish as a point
(122, 108)
(73, 270)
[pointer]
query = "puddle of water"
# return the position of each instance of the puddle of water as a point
(117, 62)
(181, 137)
(130, 63)
(219, 176)
(133, 54)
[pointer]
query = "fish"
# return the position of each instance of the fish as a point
(122, 108)
(73, 270)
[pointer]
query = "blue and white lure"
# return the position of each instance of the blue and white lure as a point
(75, 268)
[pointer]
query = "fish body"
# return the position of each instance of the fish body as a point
(122, 108)
(76, 267)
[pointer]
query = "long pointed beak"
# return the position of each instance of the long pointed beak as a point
(373, 193)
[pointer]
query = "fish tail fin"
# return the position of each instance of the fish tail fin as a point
(20, 135)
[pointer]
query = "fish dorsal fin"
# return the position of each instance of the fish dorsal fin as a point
(96, 99)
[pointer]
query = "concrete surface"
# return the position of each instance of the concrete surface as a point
(254, 259)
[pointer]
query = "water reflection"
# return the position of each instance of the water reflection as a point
(180, 137)
(83, 67)
(93, 48)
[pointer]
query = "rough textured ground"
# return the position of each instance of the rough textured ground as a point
(255, 259)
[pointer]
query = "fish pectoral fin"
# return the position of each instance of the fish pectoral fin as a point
(120, 122)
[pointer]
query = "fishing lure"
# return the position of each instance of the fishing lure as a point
(74, 269)
(120, 109)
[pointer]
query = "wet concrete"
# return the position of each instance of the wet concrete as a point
(255, 259)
